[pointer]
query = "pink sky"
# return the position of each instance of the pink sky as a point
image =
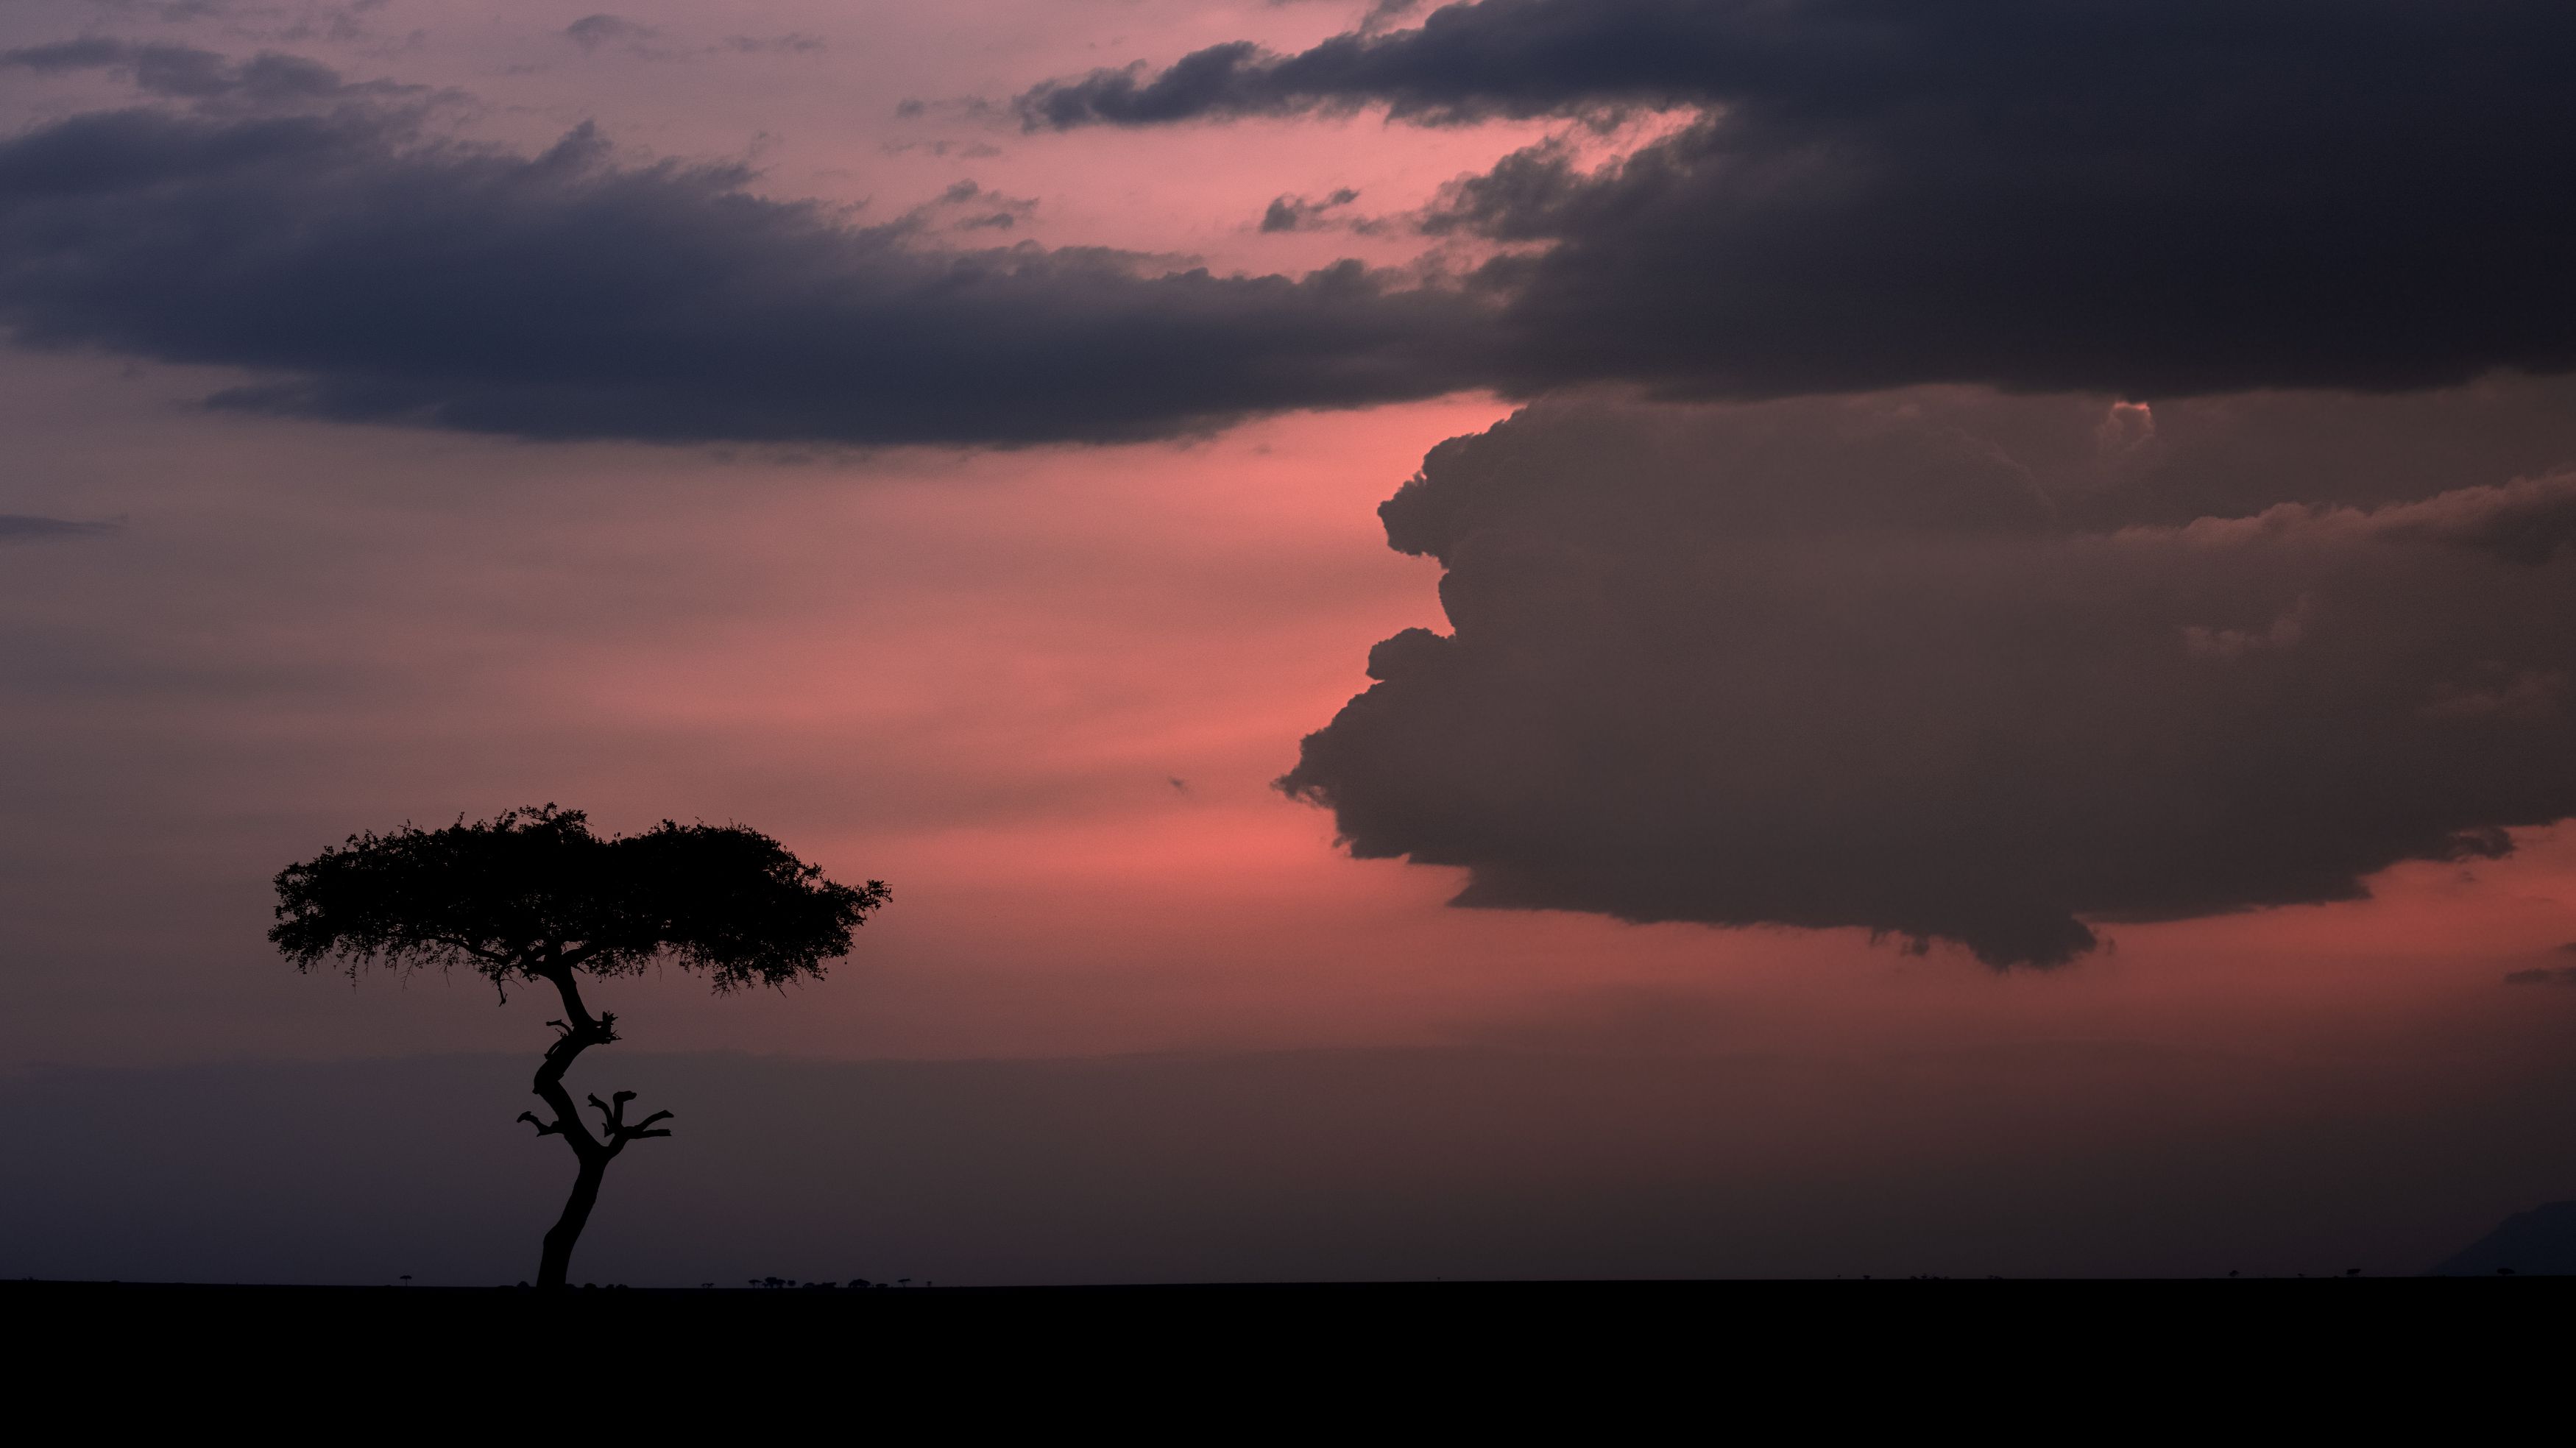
(973, 673)
(1043, 692)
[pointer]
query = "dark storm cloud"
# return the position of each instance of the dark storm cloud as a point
(361, 272)
(1503, 57)
(1912, 662)
(1824, 57)
(2151, 201)
(2144, 196)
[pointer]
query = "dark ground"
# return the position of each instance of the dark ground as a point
(1223, 1363)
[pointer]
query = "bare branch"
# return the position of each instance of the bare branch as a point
(613, 1124)
(543, 1129)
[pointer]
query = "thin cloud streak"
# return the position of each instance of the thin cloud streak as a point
(26, 528)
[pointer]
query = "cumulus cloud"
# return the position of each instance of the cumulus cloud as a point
(2142, 196)
(360, 270)
(1912, 663)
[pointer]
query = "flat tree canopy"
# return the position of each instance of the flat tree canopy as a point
(534, 894)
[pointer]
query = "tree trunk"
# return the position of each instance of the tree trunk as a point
(578, 1033)
(556, 1264)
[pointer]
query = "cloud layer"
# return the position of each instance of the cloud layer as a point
(1903, 663)
(2147, 199)
(364, 271)
(2143, 196)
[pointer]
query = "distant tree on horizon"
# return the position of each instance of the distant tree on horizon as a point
(534, 896)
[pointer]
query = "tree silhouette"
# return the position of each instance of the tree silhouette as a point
(534, 896)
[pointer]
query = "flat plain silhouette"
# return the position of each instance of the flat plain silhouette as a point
(534, 896)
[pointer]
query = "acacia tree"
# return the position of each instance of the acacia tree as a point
(535, 897)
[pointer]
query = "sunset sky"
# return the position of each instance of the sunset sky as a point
(1568, 636)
